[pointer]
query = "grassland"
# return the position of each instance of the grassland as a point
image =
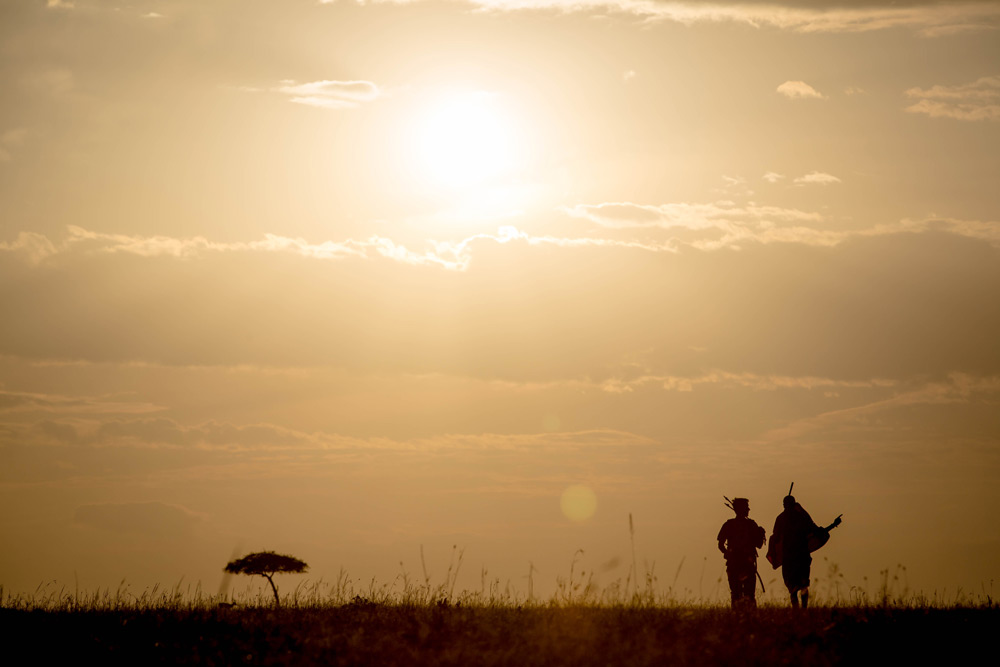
(430, 626)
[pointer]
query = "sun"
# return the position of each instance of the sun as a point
(465, 139)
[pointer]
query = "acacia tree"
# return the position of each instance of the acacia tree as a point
(266, 564)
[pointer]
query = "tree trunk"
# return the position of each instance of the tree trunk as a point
(277, 600)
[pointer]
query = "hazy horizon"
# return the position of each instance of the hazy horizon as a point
(342, 279)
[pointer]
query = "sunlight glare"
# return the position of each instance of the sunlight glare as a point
(464, 139)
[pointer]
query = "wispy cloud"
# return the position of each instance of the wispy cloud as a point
(451, 255)
(329, 94)
(751, 381)
(817, 178)
(761, 224)
(979, 100)
(735, 186)
(707, 227)
(773, 177)
(928, 18)
(10, 139)
(798, 90)
(57, 82)
(624, 215)
(152, 518)
(32, 246)
(975, 229)
(14, 401)
(182, 248)
(959, 388)
(161, 432)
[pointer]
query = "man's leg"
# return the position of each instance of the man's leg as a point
(805, 581)
(788, 575)
(750, 589)
(795, 572)
(734, 587)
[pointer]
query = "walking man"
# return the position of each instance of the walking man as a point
(794, 537)
(739, 540)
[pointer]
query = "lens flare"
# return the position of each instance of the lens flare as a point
(578, 503)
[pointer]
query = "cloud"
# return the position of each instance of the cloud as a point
(165, 433)
(799, 90)
(184, 248)
(959, 388)
(735, 186)
(8, 140)
(706, 226)
(790, 291)
(751, 381)
(772, 177)
(13, 137)
(979, 100)
(721, 215)
(450, 255)
(162, 432)
(930, 18)
(330, 94)
(12, 401)
(817, 178)
(32, 246)
(150, 518)
(56, 82)
(762, 224)
(974, 229)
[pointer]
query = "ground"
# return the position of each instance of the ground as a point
(367, 633)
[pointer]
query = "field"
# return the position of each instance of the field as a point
(170, 631)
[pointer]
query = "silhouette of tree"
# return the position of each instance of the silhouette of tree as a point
(266, 564)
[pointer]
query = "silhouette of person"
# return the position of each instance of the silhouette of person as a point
(792, 530)
(739, 540)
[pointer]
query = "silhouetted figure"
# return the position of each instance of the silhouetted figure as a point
(739, 540)
(794, 538)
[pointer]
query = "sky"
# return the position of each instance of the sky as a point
(360, 281)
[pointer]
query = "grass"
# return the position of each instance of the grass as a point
(412, 620)
(578, 588)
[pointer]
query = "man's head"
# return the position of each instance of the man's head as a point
(788, 502)
(741, 506)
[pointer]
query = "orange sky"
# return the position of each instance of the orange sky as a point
(341, 280)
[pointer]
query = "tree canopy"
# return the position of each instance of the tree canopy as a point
(264, 563)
